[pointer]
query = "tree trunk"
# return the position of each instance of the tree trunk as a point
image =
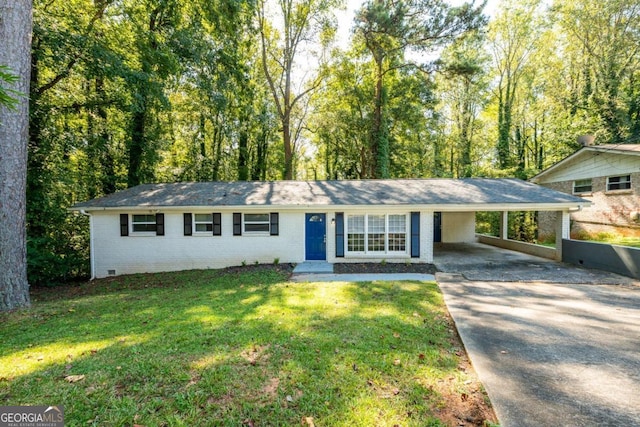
(287, 172)
(379, 137)
(15, 33)
(243, 156)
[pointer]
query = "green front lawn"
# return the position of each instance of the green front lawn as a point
(235, 348)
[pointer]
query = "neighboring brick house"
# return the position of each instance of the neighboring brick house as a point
(606, 175)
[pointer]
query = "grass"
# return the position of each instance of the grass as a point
(233, 348)
(614, 239)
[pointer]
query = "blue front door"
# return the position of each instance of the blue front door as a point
(316, 237)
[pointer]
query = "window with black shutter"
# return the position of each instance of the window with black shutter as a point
(188, 227)
(124, 224)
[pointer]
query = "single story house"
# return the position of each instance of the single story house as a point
(606, 175)
(200, 225)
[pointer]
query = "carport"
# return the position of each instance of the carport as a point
(455, 213)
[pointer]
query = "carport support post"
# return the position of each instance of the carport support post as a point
(504, 225)
(563, 225)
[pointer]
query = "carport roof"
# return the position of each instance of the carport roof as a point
(472, 194)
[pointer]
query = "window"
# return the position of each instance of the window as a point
(256, 223)
(143, 223)
(622, 182)
(355, 233)
(375, 235)
(203, 223)
(397, 236)
(582, 186)
(379, 234)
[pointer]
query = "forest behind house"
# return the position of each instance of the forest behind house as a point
(125, 92)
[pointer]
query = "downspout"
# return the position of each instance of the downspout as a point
(91, 251)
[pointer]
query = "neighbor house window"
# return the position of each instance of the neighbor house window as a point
(143, 223)
(376, 234)
(622, 182)
(582, 186)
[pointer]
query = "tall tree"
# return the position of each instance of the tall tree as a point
(285, 45)
(15, 33)
(391, 30)
(608, 34)
(513, 37)
(463, 86)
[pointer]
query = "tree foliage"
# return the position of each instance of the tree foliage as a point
(130, 91)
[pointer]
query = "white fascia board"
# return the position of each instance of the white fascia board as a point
(484, 207)
(594, 149)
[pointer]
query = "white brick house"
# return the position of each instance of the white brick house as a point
(181, 226)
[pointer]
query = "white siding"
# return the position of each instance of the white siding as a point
(458, 227)
(594, 164)
(174, 251)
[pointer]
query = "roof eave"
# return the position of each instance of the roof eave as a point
(462, 207)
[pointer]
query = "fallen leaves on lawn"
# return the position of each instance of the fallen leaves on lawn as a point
(74, 378)
(308, 421)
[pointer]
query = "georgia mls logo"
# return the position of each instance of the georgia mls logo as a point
(31, 416)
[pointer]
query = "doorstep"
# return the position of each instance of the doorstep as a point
(314, 267)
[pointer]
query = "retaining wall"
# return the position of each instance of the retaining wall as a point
(616, 259)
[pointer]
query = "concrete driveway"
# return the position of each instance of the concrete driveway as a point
(554, 345)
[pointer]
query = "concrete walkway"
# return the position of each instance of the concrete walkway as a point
(548, 353)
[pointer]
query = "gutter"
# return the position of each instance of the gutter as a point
(91, 245)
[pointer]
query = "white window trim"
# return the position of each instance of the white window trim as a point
(132, 231)
(256, 233)
(386, 252)
(582, 192)
(619, 182)
(194, 223)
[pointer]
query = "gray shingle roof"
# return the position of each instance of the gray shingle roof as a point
(395, 192)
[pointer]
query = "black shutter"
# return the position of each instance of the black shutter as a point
(217, 224)
(415, 234)
(124, 224)
(237, 224)
(159, 224)
(340, 235)
(188, 224)
(273, 229)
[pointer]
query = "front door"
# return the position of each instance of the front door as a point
(316, 237)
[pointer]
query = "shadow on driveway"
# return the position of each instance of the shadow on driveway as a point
(559, 349)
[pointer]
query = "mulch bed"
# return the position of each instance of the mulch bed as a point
(378, 267)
